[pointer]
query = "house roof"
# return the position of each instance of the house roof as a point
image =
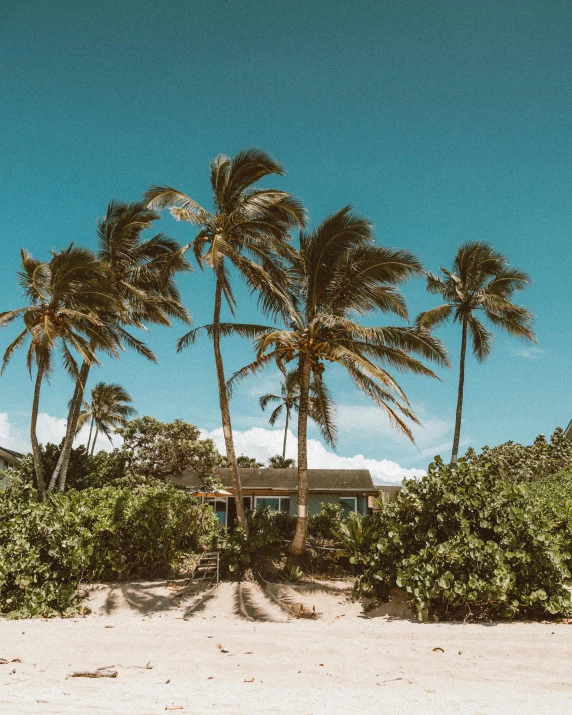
(268, 480)
(14, 456)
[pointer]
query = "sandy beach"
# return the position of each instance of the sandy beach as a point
(235, 649)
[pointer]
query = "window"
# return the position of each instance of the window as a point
(348, 504)
(220, 507)
(277, 503)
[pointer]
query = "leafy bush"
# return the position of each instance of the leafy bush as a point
(47, 548)
(466, 542)
(358, 534)
(327, 522)
(269, 533)
(552, 496)
(524, 464)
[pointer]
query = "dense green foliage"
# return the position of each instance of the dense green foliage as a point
(163, 449)
(85, 470)
(526, 463)
(268, 535)
(47, 548)
(464, 541)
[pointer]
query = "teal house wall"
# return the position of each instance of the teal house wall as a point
(315, 500)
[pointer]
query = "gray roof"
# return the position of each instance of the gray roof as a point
(319, 480)
(16, 456)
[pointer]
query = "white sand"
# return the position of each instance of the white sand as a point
(206, 658)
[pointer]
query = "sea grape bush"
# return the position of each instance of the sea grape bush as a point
(464, 542)
(48, 548)
(526, 463)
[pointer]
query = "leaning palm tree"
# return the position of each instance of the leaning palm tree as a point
(481, 283)
(109, 408)
(248, 228)
(337, 276)
(141, 272)
(64, 296)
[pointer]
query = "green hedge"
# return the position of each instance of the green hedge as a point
(47, 548)
(464, 542)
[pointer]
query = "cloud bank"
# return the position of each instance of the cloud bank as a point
(264, 443)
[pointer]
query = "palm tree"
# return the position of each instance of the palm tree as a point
(248, 229)
(288, 399)
(107, 410)
(481, 282)
(141, 272)
(278, 462)
(337, 276)
(64, 298)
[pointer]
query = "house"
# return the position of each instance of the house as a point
(9, 459)
(278, 488)
(568, 432)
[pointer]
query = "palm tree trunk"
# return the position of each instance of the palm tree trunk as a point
(33, 437)
(225, 411)
(285, 433)
(72, 424)
(90, 431)
(73, 415)
(458, 416)
(298, 543)
(94, 440)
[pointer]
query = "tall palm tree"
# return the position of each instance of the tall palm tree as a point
(289, 401)
(64, 296)
(481, 283)
(337, 276)
(109, 408)
(248, 228)
(141, 272)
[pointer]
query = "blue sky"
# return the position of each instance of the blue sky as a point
(441, 122)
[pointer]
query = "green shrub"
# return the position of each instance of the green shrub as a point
(552, 496)
(327, 522)
(466, 542)
(358, 534)
(47, 548)
(524, 464)
(269, 533)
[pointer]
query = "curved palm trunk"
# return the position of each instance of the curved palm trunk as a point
(72, 424)
(298, 543)
(458, 416)
(225, 411)
(33, 437)
(90, 431)
(94, 440)
(61, 468)
(285, 433)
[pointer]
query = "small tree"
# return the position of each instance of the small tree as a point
(166, 449)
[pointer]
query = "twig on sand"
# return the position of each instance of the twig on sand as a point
(99, 673)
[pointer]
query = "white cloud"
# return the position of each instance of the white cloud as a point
(49, 429)
(4, 429)
(431, 437)
(529, 353)
(263, 443)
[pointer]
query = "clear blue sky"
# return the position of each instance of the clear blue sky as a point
(442, 122)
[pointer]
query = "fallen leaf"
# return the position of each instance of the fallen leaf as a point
(249, 680)
(438, 649)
